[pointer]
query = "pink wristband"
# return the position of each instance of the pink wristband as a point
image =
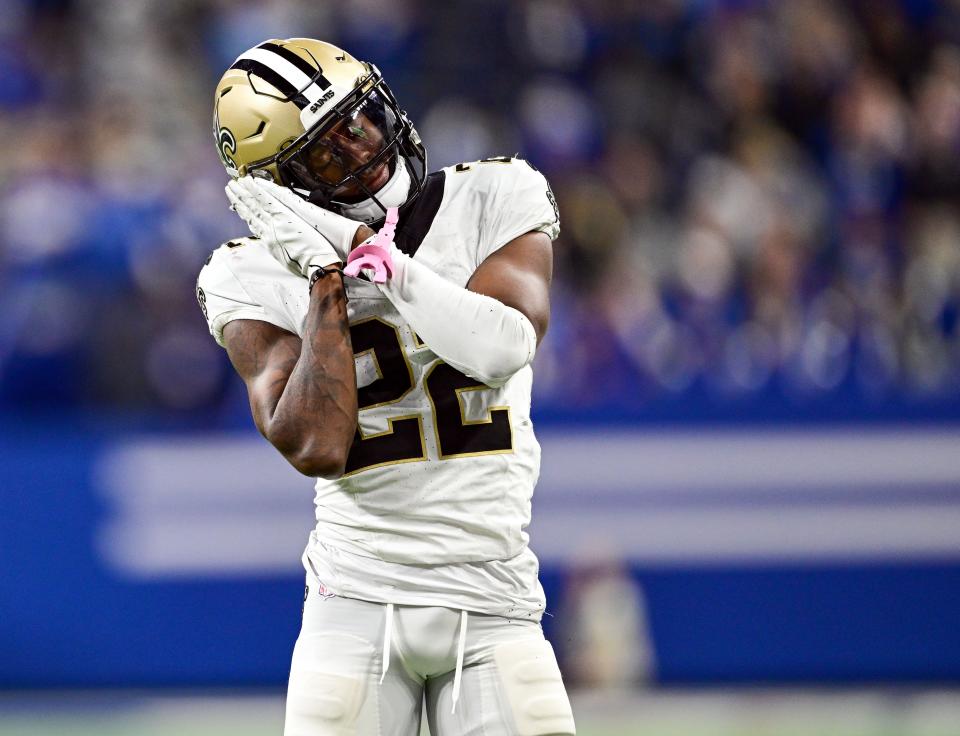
(376, 253)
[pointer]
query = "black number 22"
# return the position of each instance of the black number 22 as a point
(403, 440)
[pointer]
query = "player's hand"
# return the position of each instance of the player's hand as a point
(298, 234)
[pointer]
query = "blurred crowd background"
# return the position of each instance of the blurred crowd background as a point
(760, 210)
(759, 200)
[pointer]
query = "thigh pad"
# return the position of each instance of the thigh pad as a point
(533, 687)
(329, 692)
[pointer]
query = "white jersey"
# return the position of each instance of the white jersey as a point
(436, 495)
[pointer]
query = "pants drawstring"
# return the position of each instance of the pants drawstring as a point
(387, 641)
(461, 646)
(458, 673)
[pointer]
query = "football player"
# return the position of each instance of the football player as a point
(404, 390)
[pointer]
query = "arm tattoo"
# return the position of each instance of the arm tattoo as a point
(303, 394)
(319, 400)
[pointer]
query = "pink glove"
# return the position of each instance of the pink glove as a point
(375, 254)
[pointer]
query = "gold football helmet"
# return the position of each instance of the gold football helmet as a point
(313, 118)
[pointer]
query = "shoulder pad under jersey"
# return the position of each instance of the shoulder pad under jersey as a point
(515, 199)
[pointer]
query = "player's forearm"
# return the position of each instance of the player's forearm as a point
(476, 334)
(315, 418)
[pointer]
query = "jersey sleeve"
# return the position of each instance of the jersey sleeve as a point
(519, 200)
(223, 298)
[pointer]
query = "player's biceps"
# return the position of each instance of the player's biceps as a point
(512, 275)
(526, 292)
(263, 403)
(267, 387)
(535, 298)
(266, 375)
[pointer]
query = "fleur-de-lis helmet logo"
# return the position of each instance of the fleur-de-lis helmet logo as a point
(227, 147)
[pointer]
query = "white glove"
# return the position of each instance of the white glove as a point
(300, 235)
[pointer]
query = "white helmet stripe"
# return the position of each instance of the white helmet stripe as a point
(285, 69)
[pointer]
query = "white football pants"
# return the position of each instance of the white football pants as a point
(366, 669)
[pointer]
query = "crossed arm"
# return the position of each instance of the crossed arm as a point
(519, 275)
(303, 393)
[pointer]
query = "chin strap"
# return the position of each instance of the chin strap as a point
(392, 194)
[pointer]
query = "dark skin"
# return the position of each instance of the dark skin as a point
(303, 393)
(347, 146)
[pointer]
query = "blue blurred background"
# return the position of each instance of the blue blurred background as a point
(748, 399)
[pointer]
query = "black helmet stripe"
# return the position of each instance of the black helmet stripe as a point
(271, 77)
(298, 61)
(301, 76)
